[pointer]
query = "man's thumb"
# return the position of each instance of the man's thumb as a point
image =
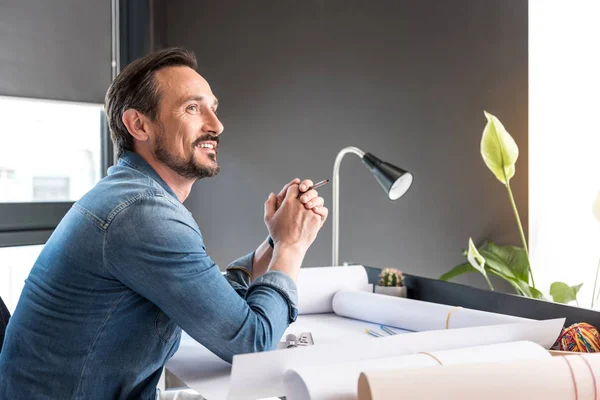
(270, 206)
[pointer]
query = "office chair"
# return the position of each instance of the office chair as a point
(4, 317)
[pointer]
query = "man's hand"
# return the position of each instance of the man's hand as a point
(264, 256)
(310, 198)
(293, 224)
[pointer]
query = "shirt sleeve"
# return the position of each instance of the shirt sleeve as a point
(154, 247)
(239, 274)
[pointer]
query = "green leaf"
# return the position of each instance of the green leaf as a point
(513, 257)
(521, 287)
(498, 149)
(536, 294)
(460, 269)
(512, 281)
(497, 264)
(563, 293)
(509, 263)
(501, 271)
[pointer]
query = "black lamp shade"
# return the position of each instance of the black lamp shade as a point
(395, 181)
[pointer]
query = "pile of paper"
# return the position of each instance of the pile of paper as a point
(443, 337)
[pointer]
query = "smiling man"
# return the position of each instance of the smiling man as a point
(126, 269)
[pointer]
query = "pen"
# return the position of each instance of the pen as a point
(373, 333)
(316, 185)
(387, 330)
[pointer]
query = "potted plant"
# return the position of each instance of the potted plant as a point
(510, 263)
(391, 283)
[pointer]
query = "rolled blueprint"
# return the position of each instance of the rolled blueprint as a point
(413, 315)
(258, 375)
(565, 378)
(317, 286)
(339, 381)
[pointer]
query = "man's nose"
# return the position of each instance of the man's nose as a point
(212, 124)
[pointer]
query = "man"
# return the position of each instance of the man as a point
(103, 307)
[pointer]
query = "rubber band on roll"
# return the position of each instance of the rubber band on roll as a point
(432, 356)
(572, 377)
(448, 316)
(593, 376)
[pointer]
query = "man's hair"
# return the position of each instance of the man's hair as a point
(136, 87)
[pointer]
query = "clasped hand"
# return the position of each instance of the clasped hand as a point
(295, 221)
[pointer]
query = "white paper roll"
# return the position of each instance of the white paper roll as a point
(317, 286)
(414, 315)
(546, 379)
(257, 375)
(339, 381)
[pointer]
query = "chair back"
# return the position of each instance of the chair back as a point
(4, 317)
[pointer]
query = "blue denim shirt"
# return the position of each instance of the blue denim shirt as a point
(125, 270)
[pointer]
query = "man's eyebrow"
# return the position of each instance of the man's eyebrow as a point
(199, 99)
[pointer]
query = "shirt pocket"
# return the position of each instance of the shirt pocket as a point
(167, 330)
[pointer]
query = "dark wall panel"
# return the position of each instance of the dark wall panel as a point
(405, 80)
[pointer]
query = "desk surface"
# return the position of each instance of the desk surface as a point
(209, 375)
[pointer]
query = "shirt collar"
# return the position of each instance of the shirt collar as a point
(135, 161)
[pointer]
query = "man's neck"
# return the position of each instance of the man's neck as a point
(180, 185)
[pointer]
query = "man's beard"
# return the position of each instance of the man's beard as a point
(187, 168)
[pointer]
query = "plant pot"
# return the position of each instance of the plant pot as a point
(398, 291)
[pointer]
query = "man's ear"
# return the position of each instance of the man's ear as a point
(137, 124)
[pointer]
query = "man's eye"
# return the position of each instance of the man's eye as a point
(193, 108)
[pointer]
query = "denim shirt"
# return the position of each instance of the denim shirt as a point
(125, 270)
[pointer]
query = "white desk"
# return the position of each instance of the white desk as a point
(209, 375)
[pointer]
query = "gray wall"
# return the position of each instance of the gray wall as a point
(405, 80)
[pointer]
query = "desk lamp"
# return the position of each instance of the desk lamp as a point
(394, 181)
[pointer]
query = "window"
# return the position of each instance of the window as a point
(51, 154)
(15, 264)
(51, 188)
(8, 183)
(564, 164)
(49, 150)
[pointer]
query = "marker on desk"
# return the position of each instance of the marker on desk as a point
(373, 333)
(387, 330)
(315, 186)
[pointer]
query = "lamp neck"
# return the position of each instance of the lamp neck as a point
(335, 200)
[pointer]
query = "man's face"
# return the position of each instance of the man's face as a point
(187, 130)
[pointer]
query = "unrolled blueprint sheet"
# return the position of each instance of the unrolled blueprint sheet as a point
(332, 329)
(261, 374)
(210, 376)
(339, 381)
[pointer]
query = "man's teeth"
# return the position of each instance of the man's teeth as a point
(207, 145)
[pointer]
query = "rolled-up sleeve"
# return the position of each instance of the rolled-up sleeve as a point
(155, 248)
(239, 274)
